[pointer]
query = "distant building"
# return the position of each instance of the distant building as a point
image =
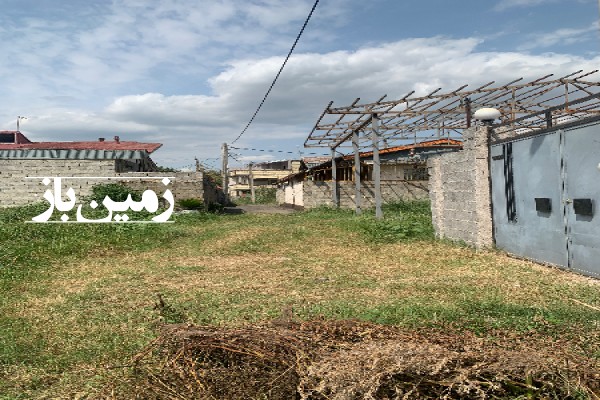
(125, 156)
(403, 175)
(21, 160)
(265, 174)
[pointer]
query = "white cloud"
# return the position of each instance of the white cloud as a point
(196, 125)
(565, 36)
(505, 4)
(134, 68)
(124, 46)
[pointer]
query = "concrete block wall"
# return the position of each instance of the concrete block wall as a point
(459, 191)
(212, 193)
(16, 190)
(185, 185)
(317, 194)
(280, 194)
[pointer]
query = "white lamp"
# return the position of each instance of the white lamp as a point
(487, 115)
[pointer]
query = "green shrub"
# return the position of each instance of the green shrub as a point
(265, 195)
(191, 204)
(407, 220)
(22, 213)
(262, 195)
(115, 191)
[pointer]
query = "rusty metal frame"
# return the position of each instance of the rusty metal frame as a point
(524, 107)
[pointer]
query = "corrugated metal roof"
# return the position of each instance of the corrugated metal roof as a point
(72, 154)
(131, 146)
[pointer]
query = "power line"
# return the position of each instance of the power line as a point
(278, 73)
(275, 151)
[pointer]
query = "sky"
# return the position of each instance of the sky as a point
(190, 73)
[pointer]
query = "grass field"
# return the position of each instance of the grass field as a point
(77, 302)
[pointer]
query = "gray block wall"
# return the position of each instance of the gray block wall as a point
(459, 191)
(16, 189)
(320, 193)
(185, 185)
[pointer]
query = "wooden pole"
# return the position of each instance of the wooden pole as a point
(376, 166)
(334, 191)
(251, 178)
(357, 191)
(224, 173)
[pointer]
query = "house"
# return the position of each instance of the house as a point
(403, 174)
(124, 156)
(261, 175)
(81, 164)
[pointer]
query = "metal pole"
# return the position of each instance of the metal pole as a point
(251, 178)
(224, 173)
(357, 192)
(376, 166)
(334, 191)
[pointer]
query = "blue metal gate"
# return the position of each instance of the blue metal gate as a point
(544, 193)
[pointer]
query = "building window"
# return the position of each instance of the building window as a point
(417, 173)
(8, 137)
(509, 183)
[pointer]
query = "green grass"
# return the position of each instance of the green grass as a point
(75, 299)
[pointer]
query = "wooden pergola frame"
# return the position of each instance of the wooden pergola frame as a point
(524, 107)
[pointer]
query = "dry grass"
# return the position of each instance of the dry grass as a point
(97, 311)
(347, 360)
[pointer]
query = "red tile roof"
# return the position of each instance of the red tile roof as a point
(431, 143)
(24, 144)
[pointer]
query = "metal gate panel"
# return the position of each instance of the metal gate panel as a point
(581, 154)
(526, 195)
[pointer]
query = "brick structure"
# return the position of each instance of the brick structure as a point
(319, 193)
(459, 190)
(17, 189)
(403, 175)
(21, 160)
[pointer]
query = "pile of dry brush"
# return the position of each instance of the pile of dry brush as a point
(353, 360)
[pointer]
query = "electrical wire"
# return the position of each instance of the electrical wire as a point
(276, 151)
(279, 72)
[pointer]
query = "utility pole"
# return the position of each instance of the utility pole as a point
(251, 179)
(225, 157)
(19, 118)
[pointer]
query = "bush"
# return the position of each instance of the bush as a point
(191, 204)
(115, 191)
(409, 220)
(265, 195)
(262, 195)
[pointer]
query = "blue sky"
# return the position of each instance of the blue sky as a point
(190, 73)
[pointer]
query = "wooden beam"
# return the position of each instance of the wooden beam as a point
(357, 191)
(376, 165)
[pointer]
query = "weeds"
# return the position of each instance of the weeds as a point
(77, 298)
